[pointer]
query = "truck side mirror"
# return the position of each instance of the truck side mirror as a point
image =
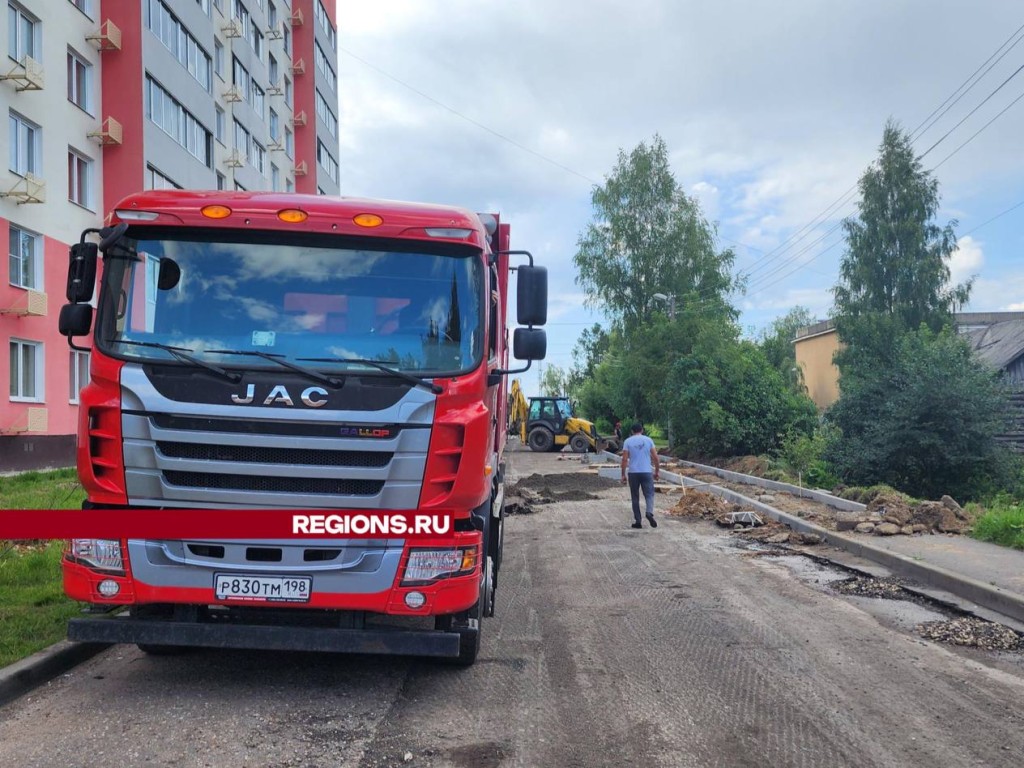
(532, 297)
(75, 320)
(529, 343)
(81, 272)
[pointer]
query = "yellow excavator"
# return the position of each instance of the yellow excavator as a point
(548, 424)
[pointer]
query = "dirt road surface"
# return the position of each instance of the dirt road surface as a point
(612, 647)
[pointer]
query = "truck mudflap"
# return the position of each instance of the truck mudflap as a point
(402, 642)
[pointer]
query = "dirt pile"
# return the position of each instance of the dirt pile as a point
(523, 497)
(972, 632)
(701, 505)
(866, 586)
(890, 513)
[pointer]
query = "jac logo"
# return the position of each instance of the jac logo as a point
(280, 394)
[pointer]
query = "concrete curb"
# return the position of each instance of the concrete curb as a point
(1000, 600)
(19, 678)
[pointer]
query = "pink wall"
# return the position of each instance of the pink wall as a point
(305, 98)
(61, 414)
(122, 87)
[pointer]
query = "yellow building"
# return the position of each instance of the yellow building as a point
(815, 345)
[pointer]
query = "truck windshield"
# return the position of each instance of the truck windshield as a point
(297, 297)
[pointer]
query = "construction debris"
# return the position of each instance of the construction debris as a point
(973, 632)
(868, 586)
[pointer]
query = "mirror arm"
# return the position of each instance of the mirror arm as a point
(527, 254)
(76, 347)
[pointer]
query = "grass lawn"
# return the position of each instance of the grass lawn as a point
(1003, 523)
(33, 609)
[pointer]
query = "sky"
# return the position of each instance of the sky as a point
(770, 111)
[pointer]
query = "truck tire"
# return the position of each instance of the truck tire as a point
(541, 440)
(469, 635)
(579, 443)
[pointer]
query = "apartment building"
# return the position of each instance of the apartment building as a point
(107, 97)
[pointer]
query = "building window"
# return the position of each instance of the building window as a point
(218, 58)
(272, 70)
(205, 5)
(23, 33)
(85, 6)
(26, 256)
(78, 374)
(326, 115)
(272, 14)
(79, 81)
(324, 66)
(275, 125)
(25, 150)
(289, 142)
(275, 178)
(258, 100)
(156, 180)
(327, 162)
(324, 21)
(288, 92)
(26, 370)
(256, 39)
(164, 110)
(241, 139)
(258, 157)
(220, 126)
(222, 182)
(287, 38)
(79, 179)
(289, 185)
(180, 42)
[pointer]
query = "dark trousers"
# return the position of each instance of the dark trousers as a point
(638, 481)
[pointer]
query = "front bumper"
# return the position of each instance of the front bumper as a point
(123, 629)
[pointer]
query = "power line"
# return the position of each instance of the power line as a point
(997, 216)
(986, 125)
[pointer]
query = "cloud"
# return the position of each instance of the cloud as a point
(966, 261)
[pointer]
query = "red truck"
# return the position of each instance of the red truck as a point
(271, 351)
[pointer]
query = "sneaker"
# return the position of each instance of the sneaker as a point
(652, 521)
(636, 525)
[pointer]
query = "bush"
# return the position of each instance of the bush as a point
(925, 423)
(1003, 524)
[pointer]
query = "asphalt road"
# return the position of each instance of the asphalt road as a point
(612, 647)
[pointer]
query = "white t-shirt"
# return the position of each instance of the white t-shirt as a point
(639, 448)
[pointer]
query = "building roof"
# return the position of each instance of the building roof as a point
(998, 344)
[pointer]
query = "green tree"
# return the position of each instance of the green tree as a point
(926, 423)
(777, 343)
(590, 349)
(553, 381)
(649, 237)
(895, 274)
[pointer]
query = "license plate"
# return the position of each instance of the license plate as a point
(238, 587)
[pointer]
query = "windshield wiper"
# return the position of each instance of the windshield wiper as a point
(183, 354)
(415, 380)
(309, 373)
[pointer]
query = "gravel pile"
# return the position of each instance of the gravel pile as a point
(972, 632)
(866, 586)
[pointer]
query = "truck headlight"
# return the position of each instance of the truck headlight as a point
(104, 554)
(428, 565)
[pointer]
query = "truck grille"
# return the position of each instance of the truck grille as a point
(267, 455)
(329, 486)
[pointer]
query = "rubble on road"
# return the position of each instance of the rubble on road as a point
(700, 504)
(523, 497)
(869, 586)
(972, 632)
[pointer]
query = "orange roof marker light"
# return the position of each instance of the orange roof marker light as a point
(292, 215)
(215, 211)
(368, 220)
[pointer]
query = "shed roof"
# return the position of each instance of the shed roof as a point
(998, 344)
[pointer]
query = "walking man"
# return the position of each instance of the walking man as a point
(641, 460)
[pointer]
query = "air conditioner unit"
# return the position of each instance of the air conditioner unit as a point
(107, 38)
(110, 132)
(297, 19)
(275, 146)
(27, 75)
(275, 88)
(232, 29)
(298, 67)
(235, 160)
(27, 189)
(299, 118)
(233, 94)
(274, 32)
(300, 169)
(33, 306)
(30, 420)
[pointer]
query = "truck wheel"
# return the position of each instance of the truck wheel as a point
(468, 626)
(541, 440)
(579, 443)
